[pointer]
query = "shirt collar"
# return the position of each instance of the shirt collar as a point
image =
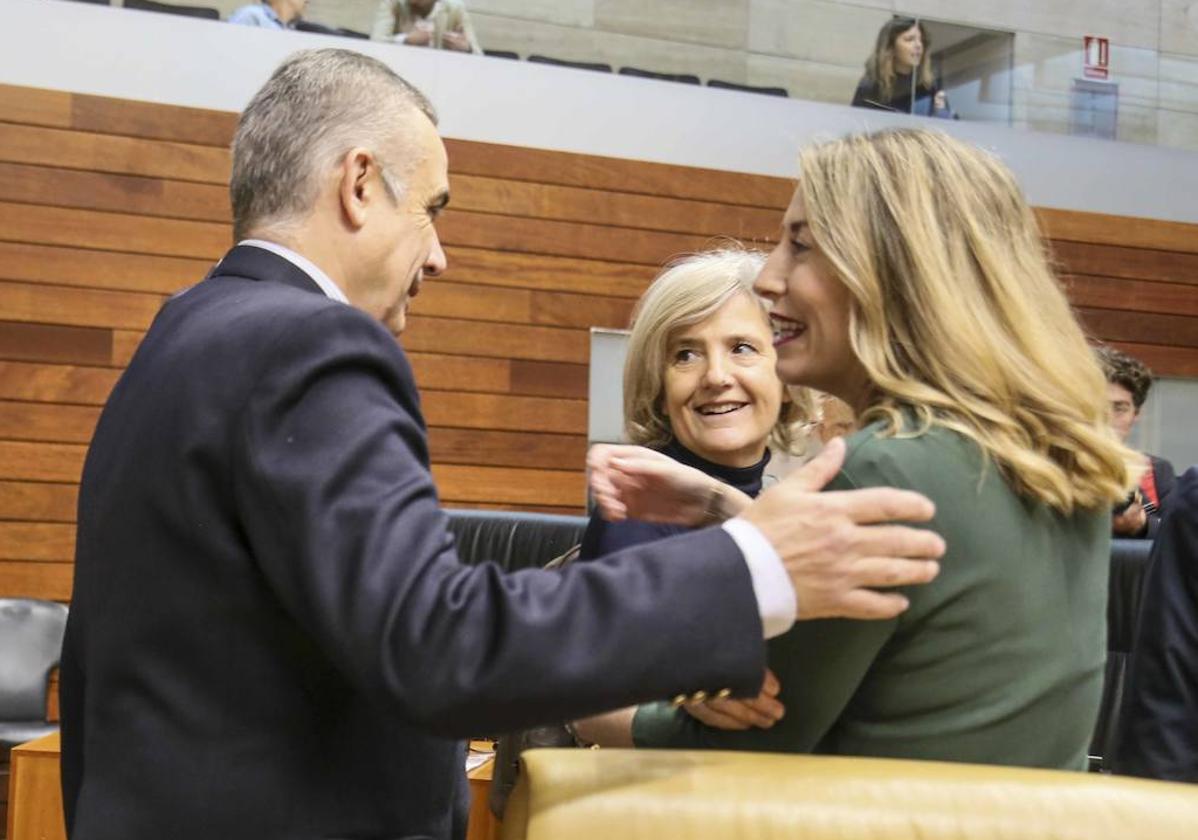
(303, 264)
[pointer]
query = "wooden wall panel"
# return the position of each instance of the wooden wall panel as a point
(108, 206)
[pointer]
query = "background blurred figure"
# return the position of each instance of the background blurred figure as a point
(270, 14)
(440, 24)
(1128, 383)
(898, 74)
(911, 281)
(1158, 723)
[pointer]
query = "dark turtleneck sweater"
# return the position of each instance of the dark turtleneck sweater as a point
(603, 537)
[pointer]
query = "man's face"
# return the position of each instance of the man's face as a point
(399, 243)
(1123, 409)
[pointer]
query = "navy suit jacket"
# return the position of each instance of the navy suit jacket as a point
(271, 635)
(1158, 727)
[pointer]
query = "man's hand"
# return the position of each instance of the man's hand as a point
(456, 41)
(835, 547)
(632, 482)
(762, 711)
(1132, 521)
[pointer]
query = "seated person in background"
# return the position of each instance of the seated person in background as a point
(1128, 381)
(1158, 721)
(270, 14)
(440, 24)
(911, 282)
(898, 74)
(699, 383)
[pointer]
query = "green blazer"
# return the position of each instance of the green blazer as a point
(998, 661)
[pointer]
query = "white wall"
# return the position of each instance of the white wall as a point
(138, 55)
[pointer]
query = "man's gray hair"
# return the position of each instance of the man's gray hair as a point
(316, 106)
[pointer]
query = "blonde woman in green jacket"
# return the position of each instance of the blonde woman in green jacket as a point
(911, 281)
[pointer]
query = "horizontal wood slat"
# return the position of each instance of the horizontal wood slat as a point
(540, 271)
(27, 461)
(517, 486)
(37, 225)
(116, 193)
(77, 307)
(569, 239)
(480, 338)
(617, 174)
(36, 501)
(56, 383)
(152, 120)
(496, 411)
(119, 155)
(1130, 263)
(35, 106)
(1103, 229)
(37, 541)
(48, 581)
(521, 306)
(47, 423)
(1134, 295)
(1140, 327)
(1163, 361)
(63, 266)
(573, 510)
(498, 376)
(506, 449)
(506, 197)
(53, 343)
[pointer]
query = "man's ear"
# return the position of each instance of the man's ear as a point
(354, 188)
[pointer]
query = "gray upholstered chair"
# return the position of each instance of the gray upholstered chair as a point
(30, 646)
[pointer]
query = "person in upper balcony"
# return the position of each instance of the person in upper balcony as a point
(1128, 381)
(440, 24)
(898, 74)
(270, 14)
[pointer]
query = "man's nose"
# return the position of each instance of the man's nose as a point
(436, 262)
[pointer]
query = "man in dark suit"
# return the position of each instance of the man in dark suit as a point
(271, 636)
(1158, 721)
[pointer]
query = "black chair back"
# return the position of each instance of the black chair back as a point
(768, 91)
(171, 9)
(513, 540)
(684, 78)
(1129, 564)
(577, 65)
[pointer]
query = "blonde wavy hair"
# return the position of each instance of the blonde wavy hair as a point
(956, 314)
(689, 290)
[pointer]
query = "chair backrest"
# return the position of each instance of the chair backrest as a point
(684, 78)
(513, 540)
(577, 65)
(769, 91)
(171, 9)
(30, 646)
(583, 794)
(1129, 563)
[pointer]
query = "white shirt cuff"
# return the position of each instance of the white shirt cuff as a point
(771, 584)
